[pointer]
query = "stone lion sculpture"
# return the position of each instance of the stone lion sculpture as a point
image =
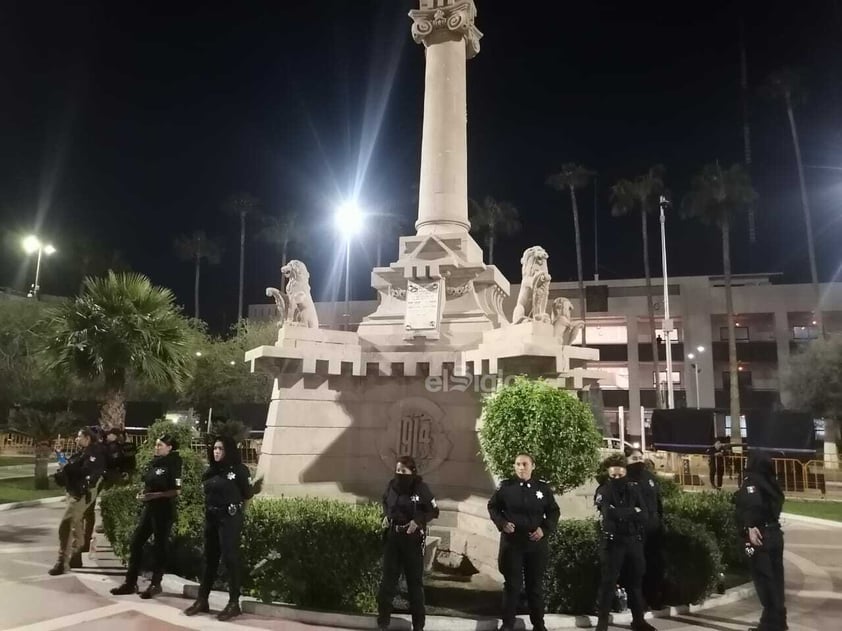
(295, 307)
(534, 287)
(565, 329)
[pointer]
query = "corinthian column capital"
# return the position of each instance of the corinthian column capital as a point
(445, 20)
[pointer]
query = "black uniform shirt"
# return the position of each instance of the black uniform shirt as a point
(163, 474)
(650, 492)
(759, 502)
(417, 504)
(83, 469)
(226, 484)
(621, 507)
(528, 505)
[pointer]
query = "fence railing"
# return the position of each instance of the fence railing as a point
(23, 445)
(816, 477)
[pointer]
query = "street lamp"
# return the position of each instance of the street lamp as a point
(696, 369)
(31, 245)
(664, 204)
(348, 220)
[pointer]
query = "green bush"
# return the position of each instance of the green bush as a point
(120, 509)
(669, 488)
(716, 513)
(323, 554)
(553, 425)
(573, 572)
(692, 562)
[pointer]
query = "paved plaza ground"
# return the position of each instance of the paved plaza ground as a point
(30, 600)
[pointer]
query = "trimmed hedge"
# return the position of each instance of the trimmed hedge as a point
(572, 577)
(324, 554)
(715, 511)
(692, 563)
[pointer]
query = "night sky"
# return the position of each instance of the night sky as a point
(125, 124)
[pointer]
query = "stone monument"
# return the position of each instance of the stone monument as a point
(346, 404)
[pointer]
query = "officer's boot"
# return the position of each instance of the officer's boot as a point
(232, 610)
(152, 590)
(199, 606)
(124, 590)
(59, 568)
(76, 560)
(602, 623)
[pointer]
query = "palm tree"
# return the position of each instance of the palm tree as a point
(642, 194)
(241, 205)
(283, 231)
(494, 218)
(785, 85)
(716, 196)
(571, 177)
(196, 247)
(120, 326)
(43, 428)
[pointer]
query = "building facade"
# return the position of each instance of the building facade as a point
(773, 320)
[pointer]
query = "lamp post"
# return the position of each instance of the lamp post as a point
(31, 245)
(664, 203)
(696, 370)
(349, 222)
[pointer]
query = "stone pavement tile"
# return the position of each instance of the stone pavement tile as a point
(128, 621)
(28, 603)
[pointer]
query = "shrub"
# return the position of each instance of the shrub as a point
(554, 426)
(669, 488)
(692, 562)
(573, 571)
(120, 509)
(315, 553)
(716, 513)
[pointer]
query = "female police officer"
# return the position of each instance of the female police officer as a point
(161, 485)
(525, 511)
(227, 484)
(408, 506)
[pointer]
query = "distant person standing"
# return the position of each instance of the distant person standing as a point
(653, 529)
(759, 502)
(716, 464)
(525, 512)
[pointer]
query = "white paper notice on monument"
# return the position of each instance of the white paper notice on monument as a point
(423, 305)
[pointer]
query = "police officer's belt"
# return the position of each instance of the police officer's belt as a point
(231, 509)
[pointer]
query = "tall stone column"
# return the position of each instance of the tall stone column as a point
(446, 28)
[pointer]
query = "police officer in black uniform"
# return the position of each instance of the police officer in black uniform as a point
(525, 512)
(228, 489)
(408, 506)
(623, 519)
(759, 501)
(716, 464)
(161, 487)
(650, 491)
(80, 477)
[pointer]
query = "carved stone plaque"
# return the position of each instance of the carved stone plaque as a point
(424, 303)
(414, 428)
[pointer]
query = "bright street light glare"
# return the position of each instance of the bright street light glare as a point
(49, 249)
(701, 349)
(691, 356)
(31, 244)
(349, 219)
